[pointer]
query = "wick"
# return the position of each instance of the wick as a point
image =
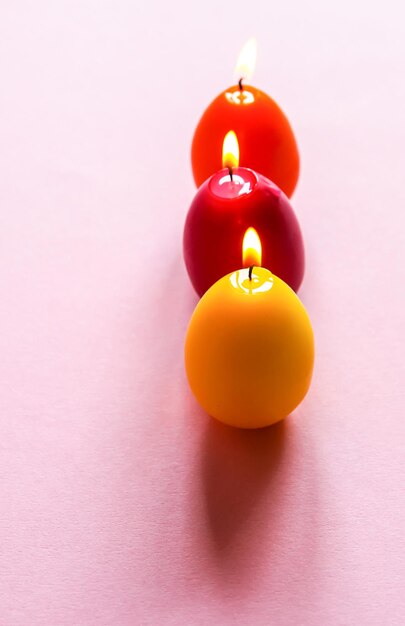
(240, 84)
(230, 173)
(250, 271)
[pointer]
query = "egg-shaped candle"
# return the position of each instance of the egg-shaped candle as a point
(230, 201)
(266, 139)
(249, 348)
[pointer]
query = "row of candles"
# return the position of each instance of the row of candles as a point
(249, 348)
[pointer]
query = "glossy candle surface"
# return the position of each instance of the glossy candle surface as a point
(266, 140)
(249, 350)
(219, 215)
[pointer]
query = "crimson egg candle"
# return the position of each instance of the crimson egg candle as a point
(230, 201)
(249, 348)
(266, 139)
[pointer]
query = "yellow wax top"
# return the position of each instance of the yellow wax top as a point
(249, 349)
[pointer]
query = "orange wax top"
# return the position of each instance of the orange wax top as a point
(266, 141)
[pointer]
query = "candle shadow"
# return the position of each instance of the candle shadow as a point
(238, 468)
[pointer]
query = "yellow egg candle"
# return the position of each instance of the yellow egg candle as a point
(249, 349)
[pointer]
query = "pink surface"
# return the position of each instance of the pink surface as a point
(121, 502)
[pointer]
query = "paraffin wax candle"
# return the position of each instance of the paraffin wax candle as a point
(228, 203)
(266, 139)
(249, 349)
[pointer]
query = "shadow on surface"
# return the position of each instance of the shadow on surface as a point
(238, 468)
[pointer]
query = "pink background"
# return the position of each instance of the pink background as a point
(121, 502)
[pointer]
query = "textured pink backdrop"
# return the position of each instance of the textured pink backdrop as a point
(121, 502)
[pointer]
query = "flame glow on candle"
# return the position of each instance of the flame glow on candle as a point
(245, 65)
(252, 248)
(230, 150)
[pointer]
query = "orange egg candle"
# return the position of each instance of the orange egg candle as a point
(267, 142)
(249, 348)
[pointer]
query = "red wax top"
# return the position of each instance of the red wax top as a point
(219, 216)
(242, 182)
(266, 140)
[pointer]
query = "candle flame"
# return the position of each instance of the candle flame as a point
(245, 65)
(230, 150)
(252, 248)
